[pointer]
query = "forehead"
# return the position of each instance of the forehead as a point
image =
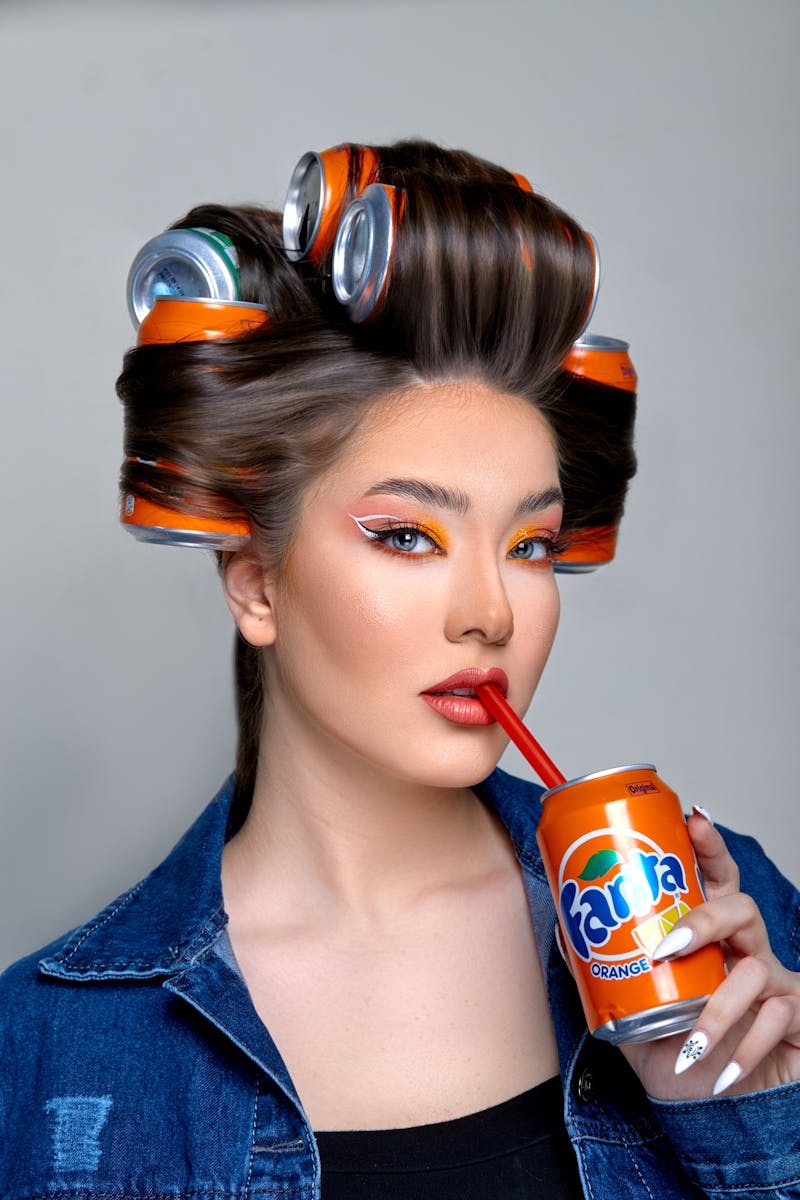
(464, 434)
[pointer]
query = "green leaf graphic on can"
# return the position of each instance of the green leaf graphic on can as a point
(599, 863)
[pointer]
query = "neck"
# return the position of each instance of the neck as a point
(328, 832)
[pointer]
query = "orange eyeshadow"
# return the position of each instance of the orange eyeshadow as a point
(530, 531)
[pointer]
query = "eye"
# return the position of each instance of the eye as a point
(408, 540)
(401, 537)
(532, 549)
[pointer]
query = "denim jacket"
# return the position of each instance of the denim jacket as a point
(134, 1064)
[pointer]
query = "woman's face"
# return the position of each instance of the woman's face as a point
(422, 554)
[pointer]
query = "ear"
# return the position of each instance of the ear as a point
(249, 595)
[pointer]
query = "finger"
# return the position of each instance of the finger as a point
(734, 919)
(734, 997)
(777, 1019)
(720, 872)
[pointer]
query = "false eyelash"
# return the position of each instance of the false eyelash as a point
(393, 525)
(560, 545)
(555, 546)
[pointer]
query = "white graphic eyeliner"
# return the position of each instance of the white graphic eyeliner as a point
(371, 533)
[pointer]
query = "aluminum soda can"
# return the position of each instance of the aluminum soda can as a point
(164, 525)
(320, 187)
(622, 871)
(161, 518)
(175, 319)
(362, 250)
(195, 263)
(604, 361)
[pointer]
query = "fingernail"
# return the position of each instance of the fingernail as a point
(728, 1077)
(703, 812)
(693, 1048)
(675, 941)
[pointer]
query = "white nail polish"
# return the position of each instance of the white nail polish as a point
(703, 812)
(728, 1077)
(693, 1048)
(675, 941)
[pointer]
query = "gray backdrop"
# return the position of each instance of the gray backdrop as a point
(669, 130)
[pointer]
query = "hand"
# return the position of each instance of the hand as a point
(747, 1037)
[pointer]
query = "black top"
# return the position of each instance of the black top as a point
(517, 1150)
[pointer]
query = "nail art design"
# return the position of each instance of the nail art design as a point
(727, 1078)
(703, 812)
(675, 941)
(693, 1048)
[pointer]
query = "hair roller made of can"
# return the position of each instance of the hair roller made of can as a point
(362, 251)
(195, 263)
(601, 360)
(159, 513)
(321, 185)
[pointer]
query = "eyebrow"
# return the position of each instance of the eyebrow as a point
(437, 496)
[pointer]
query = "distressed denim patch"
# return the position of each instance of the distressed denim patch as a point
(77, 1124)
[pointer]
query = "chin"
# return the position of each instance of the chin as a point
(455, 770)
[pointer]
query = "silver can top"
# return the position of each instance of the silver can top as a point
(197, 539)
(193, 263)
(302, 210)
(597, 775)
(362, 251)
(595, 341)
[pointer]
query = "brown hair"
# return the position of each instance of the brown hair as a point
(487, 281)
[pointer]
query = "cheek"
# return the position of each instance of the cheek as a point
(356, 611)
(536, 615)
(554, 611)
(383, 610)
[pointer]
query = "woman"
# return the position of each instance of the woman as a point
(345, 974)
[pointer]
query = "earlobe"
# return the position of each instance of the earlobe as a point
(248, 595)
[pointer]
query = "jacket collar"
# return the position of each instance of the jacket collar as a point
(165, 923)
(160, 926)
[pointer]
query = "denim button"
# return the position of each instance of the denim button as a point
(585, 1086)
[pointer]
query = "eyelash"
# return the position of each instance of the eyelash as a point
(553, 546)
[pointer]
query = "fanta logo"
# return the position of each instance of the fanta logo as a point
(635, 881)
(641, 789)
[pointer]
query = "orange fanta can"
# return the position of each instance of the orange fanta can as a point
(622, 871)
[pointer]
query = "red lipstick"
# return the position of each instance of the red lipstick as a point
(456, 700)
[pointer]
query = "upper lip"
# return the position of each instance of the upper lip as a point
(471, 678)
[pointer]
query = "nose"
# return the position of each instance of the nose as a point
(479, 607)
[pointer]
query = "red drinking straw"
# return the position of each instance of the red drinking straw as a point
(522, 738)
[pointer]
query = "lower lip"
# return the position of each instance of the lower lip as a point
(460, 710)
